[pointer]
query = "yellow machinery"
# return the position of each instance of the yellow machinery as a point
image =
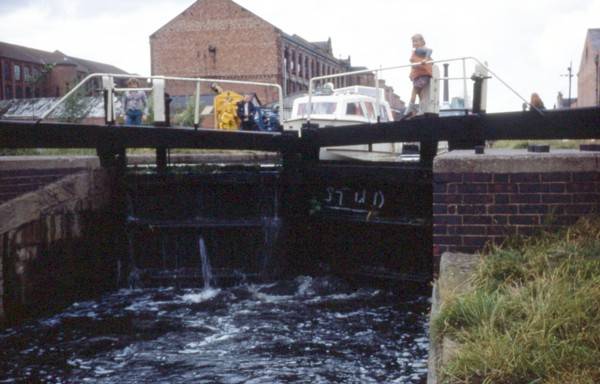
(225, 107)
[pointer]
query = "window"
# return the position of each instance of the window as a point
(36, 92)
(19, 93)
(324, 108)
(6, 71)
(35, 74)
(383, 114)
(26, 74)
(8, 92)
(370, 110)
(17, 73)
(28, 92)
(354, 109)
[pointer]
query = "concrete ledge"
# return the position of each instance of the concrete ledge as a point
(10, 163)
(91, 186)
(456, 269)
(516, 161)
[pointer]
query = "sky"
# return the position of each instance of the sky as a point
(529, 45)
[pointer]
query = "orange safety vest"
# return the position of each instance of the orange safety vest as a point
(420, 70)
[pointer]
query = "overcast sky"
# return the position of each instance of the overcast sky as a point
(528, 44)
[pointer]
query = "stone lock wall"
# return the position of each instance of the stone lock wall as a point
(57, 242)
(487, 198)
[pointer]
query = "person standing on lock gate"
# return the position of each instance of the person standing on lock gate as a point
(246, 111)
(421, 72)
(134, 104)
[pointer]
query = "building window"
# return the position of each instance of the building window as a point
(28, 92)
(17, 72)
(36, 92)
(293, 64)
(6, 71)
(26, 74)
(8, 92)
(19, 93)
(306, 68)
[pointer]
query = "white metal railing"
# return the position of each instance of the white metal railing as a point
(158, 83)
(483, 66)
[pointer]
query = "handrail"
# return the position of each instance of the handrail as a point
(197, 80)
(377, 70)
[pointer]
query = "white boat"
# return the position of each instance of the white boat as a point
(342, 107)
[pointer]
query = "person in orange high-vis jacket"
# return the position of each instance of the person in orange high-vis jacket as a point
(421, 73)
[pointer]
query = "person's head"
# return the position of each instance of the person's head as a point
(536, 100)
(133, 83)
(247, 98)
(418, 40)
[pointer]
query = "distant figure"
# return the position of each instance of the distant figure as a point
(246, 111)
(420, 74)
(536, 101)
(134, 104)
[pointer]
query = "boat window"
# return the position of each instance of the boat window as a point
(370, 110)
(383, 114)
(317, 108)
(354, 109)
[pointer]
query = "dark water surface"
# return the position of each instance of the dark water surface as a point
(307, 330)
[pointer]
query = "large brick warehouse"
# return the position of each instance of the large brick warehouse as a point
(220, 39)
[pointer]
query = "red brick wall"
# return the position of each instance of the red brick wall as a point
(63, 77)
(216, 38)
(471, 209)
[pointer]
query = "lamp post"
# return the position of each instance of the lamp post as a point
(570, 76)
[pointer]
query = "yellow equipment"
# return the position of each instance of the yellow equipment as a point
(225, 107)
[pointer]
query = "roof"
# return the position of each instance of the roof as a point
(321, 47)
(594, 38)
(37, 56)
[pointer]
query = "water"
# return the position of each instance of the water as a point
(306, 330)
(204, 263)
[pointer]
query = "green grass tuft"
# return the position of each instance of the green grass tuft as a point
(534, 313)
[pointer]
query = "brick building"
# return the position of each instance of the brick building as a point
(588, 77)
(220, 39)
(31, 73)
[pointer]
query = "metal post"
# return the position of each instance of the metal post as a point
(570, 77)
(477, 89)
(197, 107)
(569, 74)
(446, 84)
(161, 159)
(465, 95)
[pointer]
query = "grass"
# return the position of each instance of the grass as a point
(534, 313)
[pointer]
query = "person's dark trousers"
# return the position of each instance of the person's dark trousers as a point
(248, 125)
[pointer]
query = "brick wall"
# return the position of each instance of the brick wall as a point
(215, 38)
(56, 244)
(488, 198)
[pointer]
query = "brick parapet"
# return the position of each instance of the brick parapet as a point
(485, 199)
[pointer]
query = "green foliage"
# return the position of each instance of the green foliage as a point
(186, 117)
(75, 108)
(534, 313)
